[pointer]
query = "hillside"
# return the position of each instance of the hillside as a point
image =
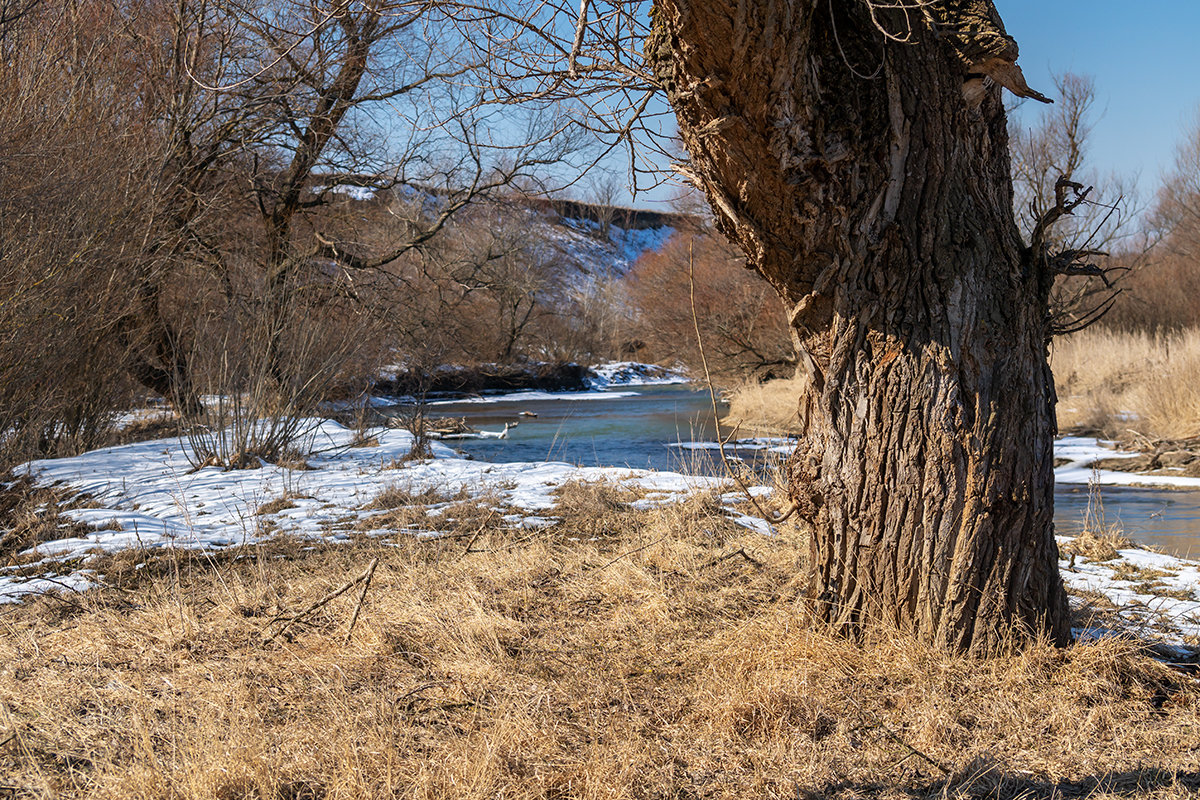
(592, 239)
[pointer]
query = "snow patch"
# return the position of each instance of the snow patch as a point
(1155, 593)
(149, 497)
(1084, 452)
(633, 373)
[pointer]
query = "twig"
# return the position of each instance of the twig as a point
(294, 618)
(771, 518)
(362, 596)
(912, 751)
(631, 552)
(1148, 443)
(475, 536)
(895, 737)
(577, 45)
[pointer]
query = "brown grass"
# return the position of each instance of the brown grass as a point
(635, 665)
(768, 407)
(31, 515)
(1096, 545)
(1111, 383)
(281, 503)
(400, 497)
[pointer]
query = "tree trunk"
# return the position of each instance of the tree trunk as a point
(867, 180)
(155, 357)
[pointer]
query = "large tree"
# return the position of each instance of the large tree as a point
(856, 151)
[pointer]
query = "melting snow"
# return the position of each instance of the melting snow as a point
(1136, 582)
(634, 373)
(1084, 452)
(149, 497)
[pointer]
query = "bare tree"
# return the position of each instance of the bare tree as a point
(270, 113)
(252, 101)
(1050, 164)
(71, 169)
(745, 330)
(1165, 294)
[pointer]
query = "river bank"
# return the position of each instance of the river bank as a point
(368, 625)
(144, 499)
(622, 652)
(452, 381)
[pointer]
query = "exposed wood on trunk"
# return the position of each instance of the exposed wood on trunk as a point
(881, 211)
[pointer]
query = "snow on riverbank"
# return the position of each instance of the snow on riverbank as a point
(146, 495)
(1083, 452)
(634, 373)
(1150, 593)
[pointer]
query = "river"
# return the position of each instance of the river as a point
(645, 426)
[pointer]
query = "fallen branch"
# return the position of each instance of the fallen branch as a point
(370, 573)
(292, 619)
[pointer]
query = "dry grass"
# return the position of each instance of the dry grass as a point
(1096, 546)
(281, 503)
(31, 515)
(768, 407)
(1111, 383)
(395, 497)
(638, 664)
(1100, 539)
(1108, 383)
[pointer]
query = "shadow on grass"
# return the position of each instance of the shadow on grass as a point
(981, 781)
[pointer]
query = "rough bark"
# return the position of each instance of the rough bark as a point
(868, 181)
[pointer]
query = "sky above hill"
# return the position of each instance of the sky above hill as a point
(1146, 65)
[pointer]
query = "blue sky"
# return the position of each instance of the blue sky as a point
(1144, 59)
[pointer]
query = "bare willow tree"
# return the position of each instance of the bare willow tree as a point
(699, 277)
(857, 152)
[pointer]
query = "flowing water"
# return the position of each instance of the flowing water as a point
(644, 427)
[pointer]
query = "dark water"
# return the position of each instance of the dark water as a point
(638, 431)
(1168, 520)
